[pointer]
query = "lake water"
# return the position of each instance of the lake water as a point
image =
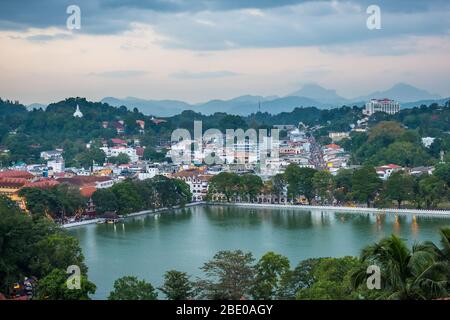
(184, 239)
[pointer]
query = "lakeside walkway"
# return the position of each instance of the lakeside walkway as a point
(441, 213)
(424, 212)
(131, 215)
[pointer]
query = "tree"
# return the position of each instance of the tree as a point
(131, 288)
(54, 287)
(127, 197)
(402, 153)
(300, 182)
(177, 286)
(365, 184)
(105, 201)
(228, 276)
(442, 171)
(251, 186)
(331, 280)
(87, 158)
(121, 158)
(34, 246)
(323, 184)
(386, 131)
(406, 274)
(226, 183)
(153, 155)
(432, 190)
(59, 201)
(279, 185)
(399, 187)
(294, 280)
(269, 271)
(343, 181)
(58, 251)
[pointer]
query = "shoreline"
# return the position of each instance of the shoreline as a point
(132, 215)
(419, 212)
(422, 212)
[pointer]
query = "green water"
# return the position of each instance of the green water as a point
(184, 239)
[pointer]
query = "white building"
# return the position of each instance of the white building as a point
(428, 141)
(384, 105)
(116, 150)
(149, 173)
(384, 172)
(104, 184)
(338, 136)
(51, 154)
(197, 181)
(57, 165)
(77, 113)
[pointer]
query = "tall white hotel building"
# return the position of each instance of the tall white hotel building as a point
(384, 105)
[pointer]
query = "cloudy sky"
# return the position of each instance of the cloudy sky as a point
(198, 50)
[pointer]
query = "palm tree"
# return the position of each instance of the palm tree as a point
(406, 274)
(443, 253)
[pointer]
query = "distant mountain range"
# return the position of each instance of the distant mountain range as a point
(310, 95)
(403, 93)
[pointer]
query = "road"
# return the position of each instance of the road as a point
(316, 154)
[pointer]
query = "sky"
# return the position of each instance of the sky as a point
(199, 50)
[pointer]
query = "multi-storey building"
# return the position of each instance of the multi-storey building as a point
(384, 105)
(197, 181)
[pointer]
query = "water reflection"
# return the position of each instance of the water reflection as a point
(184, 239)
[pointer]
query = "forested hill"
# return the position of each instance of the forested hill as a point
(26, 133)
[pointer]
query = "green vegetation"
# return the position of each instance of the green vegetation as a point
(268, 274)
(408, 274)
(134, 195)
(131, 288)
(300, 182)
(234, 186)
(390, 142)
(392, 138)
(57, 202)
(228, 276)
(177, 286)
(360, 186)
(33, 246)
(54, 287)
(419, 273)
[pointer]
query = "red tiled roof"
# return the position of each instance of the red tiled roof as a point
(140, 151)
(118, 141)
(42, 184)
(87, 191)
(84, 180)
(12, 182)
(332, 146)
(16, 174)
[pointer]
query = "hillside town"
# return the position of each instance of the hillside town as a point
(298, 146)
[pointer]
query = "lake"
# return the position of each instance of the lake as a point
(184, 239)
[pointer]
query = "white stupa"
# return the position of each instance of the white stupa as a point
(77, 113)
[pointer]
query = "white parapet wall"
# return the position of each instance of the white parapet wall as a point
(339, 209)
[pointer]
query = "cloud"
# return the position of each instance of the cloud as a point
(309, 24)
(203, 75)
(48, 37)
(119, 73)
(115, 16)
